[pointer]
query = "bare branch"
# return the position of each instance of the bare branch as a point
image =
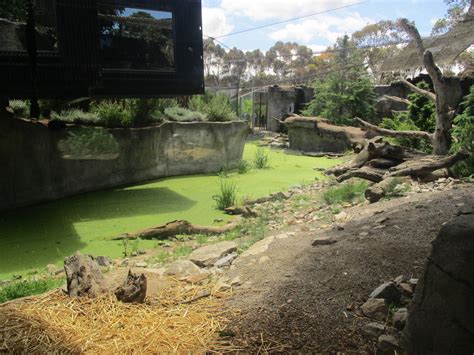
(391, 133)
(412, 31)
(418, 90)
(397, 99)
(374, 175)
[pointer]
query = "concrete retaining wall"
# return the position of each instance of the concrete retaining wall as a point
(39, 164)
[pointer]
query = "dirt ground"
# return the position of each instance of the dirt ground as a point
(295, 297)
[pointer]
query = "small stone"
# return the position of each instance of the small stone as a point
(382, 220)
(363, 234)
(373, 330)
(388, 343)
(400, 318)
(413, 282)
(226, 260)
(141, 264)
(235, 281)
(399, 279)
(125, 262)
(338, 227)
(134, 254)
(375, 308)
(340, 216)
(208, 255)
(379, 227)
(407, 289)
(182, 268)
(388, 291)
(141, 252)
(103, 261)
(323, 241)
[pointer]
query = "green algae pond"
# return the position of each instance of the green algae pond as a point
(32, 237)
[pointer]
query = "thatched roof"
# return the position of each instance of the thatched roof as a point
(445, 48)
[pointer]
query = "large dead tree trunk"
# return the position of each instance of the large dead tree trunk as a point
(442, 136)
(84, 278)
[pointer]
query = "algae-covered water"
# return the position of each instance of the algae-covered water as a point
(32, 237)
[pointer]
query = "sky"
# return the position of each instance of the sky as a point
(221, 17)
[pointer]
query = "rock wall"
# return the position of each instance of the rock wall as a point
(312, 134)
(39, 164)
(441, 318)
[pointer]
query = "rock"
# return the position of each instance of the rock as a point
(53, 269)
(84, 278)
(141, 264)
(338, 227)
(381, 220)
(400, 318)
(208, 255)
(413, 282)
(407, 289)
(373, 330)
(182, 268)
(323, 241)
(363, 234)
(441, 313)
(141, 252)
(388, 344)
(375, 308)
(103, 260)
(196, 278)
(125, 262)
(259, 247)
(399, 279)
(235, 281)
(388, 291)
(226, 260)
(340, 216)
(134, 254)
(133, 289)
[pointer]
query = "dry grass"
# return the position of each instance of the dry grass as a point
(58, 323)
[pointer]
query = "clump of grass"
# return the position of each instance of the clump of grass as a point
(20, 108)
(227, 196)
(243, 167)
(180, 114)
(76, 116)
(202, 239)
(182, 251)
(25, 288)
(162, 257)
(260, 159)
(345, 193)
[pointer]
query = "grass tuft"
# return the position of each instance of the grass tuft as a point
(260, 159)
(21, 289)
(345, 193)
(227, 196)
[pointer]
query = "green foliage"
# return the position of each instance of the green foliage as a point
(85, 142)
(20, 108)
(217, 108)
(130, 246)
(113, 113)
(463, 135)
(260, 159)
(422, 111)
(347, 92)
(182, 251)
(179, 114)
(13, 10)
(401, 122)
(145, 111)
(243, 167)
(345, 193)
(227, 195)
(76, 116)
(25, 288)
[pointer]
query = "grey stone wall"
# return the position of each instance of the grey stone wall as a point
(39, 164)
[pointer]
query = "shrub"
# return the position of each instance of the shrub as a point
(345, 193)
(243, 167)
(463, 136)
(113, 113)
(76, 116)
(182, 251)
(260, 159)
(20, 108)
(179, 114)
(146, 111)
(27, 288)
(227, 196)
(217, 108)
(401, 122)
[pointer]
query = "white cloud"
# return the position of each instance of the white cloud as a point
(317, 47)
(281, 9)
(325, 27)
(215, 22)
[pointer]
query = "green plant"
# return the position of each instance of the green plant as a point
(345, 193)
(463, 136)
(182, 251)
(217, 108)
(113, 113)
(401, 122)
(76, 116)
(243, 167)
(88, 142)
(162, 257)
(227, 196)
(260, 159)
(202, 239)
(25, 288)
(179, 114)
(20, 108)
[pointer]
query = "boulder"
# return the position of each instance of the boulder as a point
(388, 291)
(375, 308)
(208, 255)
(103, 260)
(388, 344)
(441, 319)
(373, 330)
(182, 268)
(400, 318)
(226, 260)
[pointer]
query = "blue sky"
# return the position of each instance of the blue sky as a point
(224, 16)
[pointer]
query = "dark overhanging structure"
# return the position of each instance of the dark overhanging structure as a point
(102, 48)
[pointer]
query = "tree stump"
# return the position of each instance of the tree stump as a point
(84, 278)
(133, 289)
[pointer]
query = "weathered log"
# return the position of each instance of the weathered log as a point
(133, 289)
(414, 88)
(398, 99)
(374, 175)
(382, 163)
(323, 155)
(84, 278)
(426, 165)
(391, 133)
(244, 211)
(178, 228)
